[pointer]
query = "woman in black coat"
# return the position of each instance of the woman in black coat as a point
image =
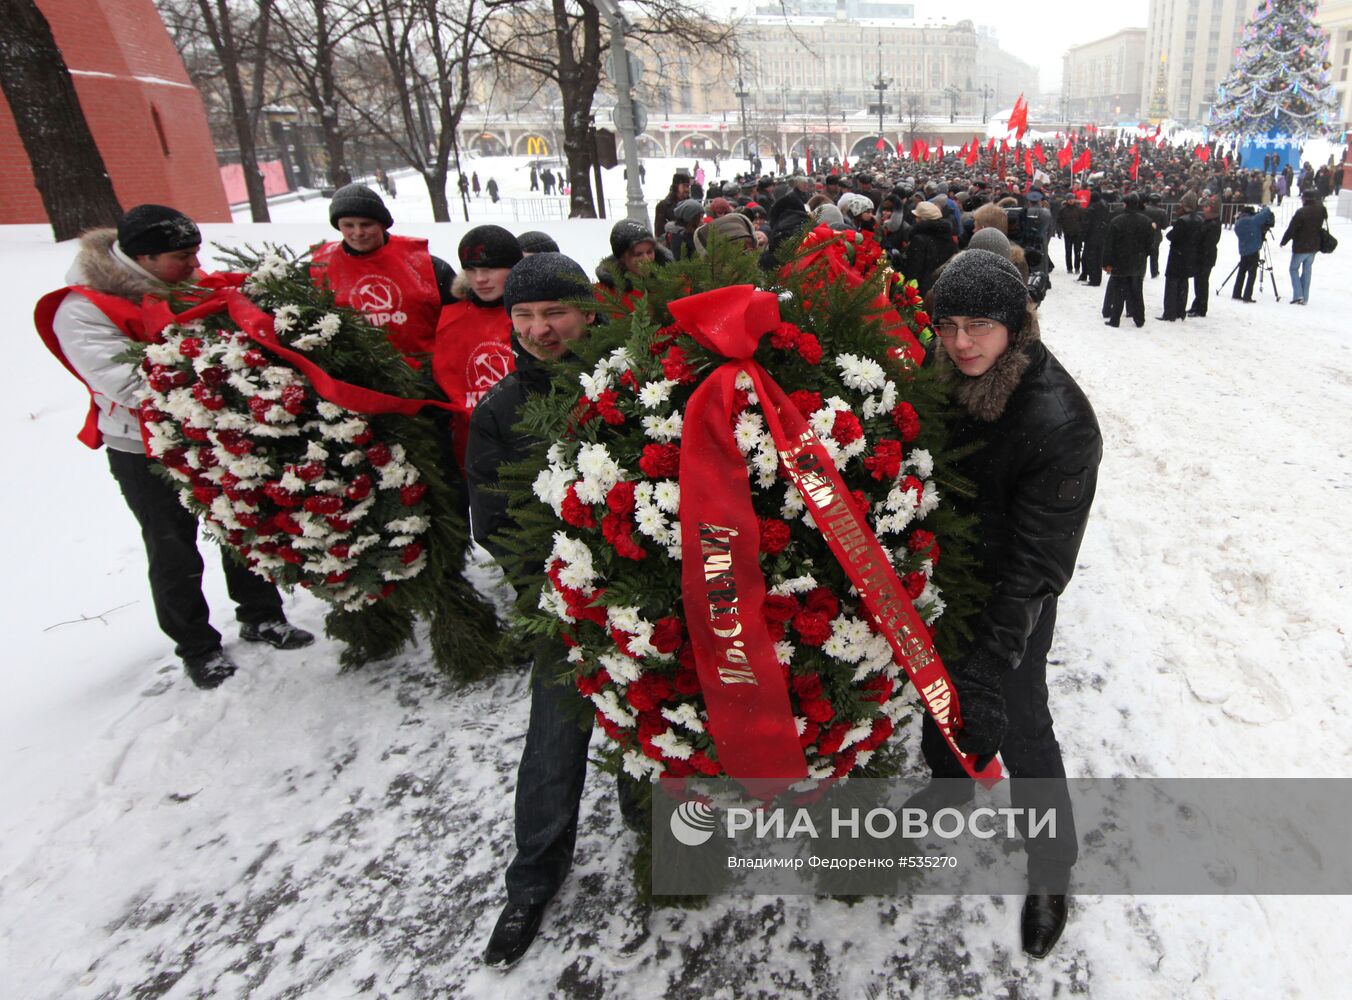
(1185, 237)
(930, 245)
(1035, 468)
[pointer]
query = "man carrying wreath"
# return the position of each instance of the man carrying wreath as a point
(88, 326)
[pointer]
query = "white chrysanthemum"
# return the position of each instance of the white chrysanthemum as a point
(291, 481)
(284, 319)
(353, 458)
(315, 452)
(922, 462)
(784, 652)
(838, 649)
(412, 525)
(928, 500)
(649, 521)
(626, 619)
(164, 354)
(672, 745)
(798, 585)
(597, 382)
(749, 430)
(663, 429)
(328, 411)
(552, 601)
(574, 654)
(620, 667)
(557, 454)
(667, 496)
(619, 361)
(277, 376)
(609, 705)
(641, 766)
(551, 486)
(685, 715)
(327, 325)
(861, 374)
(655, 394)
(793, 504)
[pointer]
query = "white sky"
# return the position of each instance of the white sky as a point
(1037, 31)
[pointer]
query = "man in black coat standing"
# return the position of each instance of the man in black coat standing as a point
(1035, 463)
(1184, 236)
(1095, 231)
(1131, 235)
(1208, 243)
(1160, 217)
(539, 298)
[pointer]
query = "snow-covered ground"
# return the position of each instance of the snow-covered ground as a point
(302, 832)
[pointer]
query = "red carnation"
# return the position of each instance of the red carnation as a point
(255, 358)
(920, 540)
(258, 408)
(310, 471)
(333, 579)
(846, 427)
(907, 421)
(675, 367)
(779, 608)
(835, 736)
(359, 487)
(205, 494)
(817, 710)
(593, 683)
(648, 692)
(810, 349)
(687, 682)
(912, 483)
(774, 535)
(620, 499)
(410, 553)
(190, 347)
(339, 551)
(702, 763)
(808, 687)
(234, 442)
(287, 554)
(213, 375)
(339, 524)
(605, 406)
(323, 505)
(813, 627)
(379, 454)
(879, 688)
(844, 765)
(618, 530)
(914, 584)
(286, 523)
(885, 462)
(364, 438)
(195, 433)
(575, 512)
(809, 735)
(822, 601)
(411, 496)
(280, 495)
(784, 336)
(668, 634)
(807, 402)
(661, 461)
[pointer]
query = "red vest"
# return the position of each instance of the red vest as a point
(125, 315)
(394, 286)
(473, 351)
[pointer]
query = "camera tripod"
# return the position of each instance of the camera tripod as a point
(1264, 269)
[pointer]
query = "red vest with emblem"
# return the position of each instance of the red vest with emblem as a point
(394, 286)
(474, 350)
(125, 315)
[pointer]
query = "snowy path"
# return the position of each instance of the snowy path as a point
(301, 832)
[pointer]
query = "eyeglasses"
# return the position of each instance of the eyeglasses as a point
(948, 329)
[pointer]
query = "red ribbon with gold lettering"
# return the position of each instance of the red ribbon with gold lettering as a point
(723, 588)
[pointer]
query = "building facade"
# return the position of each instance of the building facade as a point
(1103, 81)
(1335, 17)
(1191, 45)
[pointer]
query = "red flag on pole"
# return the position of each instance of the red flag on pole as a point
(1203, 153)
(808, 154)
(881, 144)
(1018, 118)
(1028, 162)
(1082, 161)
(1039, 154)
(1135, 159)
(939, 149)
(973, 153)
(1066, 153)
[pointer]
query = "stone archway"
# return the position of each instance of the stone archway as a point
(488, 144)
(869, 144)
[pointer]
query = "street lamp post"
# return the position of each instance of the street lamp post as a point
(881, 85)
(624, 106)
(986, 95)
(742, 95)
(953, 95)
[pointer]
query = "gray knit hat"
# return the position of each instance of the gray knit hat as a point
(545, 277)
(358, 201)
(535, 241)
(981, 283)
(990, 239)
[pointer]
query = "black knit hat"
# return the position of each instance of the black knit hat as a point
(626, 234)
(359, 202)
(545, 277)
(981, 283)
(150, 229)
(489, 246)
(537, 242)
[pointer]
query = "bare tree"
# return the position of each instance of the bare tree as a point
(310, 38)
(67, 165)
(913, 113)
(564, 42)
(238, 35)
(415, 83)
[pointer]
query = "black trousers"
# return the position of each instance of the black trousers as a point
(170, 535)
(1175, 295)
(1125, 291)
(1155, 262)
(1030, 750)
(1074, 253)
(1201, 291)
(1245, 276)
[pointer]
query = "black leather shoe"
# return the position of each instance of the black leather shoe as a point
(1166, 319)
(1044, 918)
(512, 935)
(1108, 322)
(209, 671)
(282, 635)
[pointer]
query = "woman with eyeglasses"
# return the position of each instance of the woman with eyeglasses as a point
(1035, 468)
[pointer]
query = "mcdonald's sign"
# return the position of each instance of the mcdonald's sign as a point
(536, 146)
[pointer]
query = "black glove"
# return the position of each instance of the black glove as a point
(978, 679)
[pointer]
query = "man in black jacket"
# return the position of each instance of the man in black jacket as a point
(538, 297)
(1160, 217)
(1035, 468)
(1095, 230)
(1125, 249)
(1184, 236)
(1208, 242)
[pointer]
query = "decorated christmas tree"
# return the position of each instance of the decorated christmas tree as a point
(1279, 86)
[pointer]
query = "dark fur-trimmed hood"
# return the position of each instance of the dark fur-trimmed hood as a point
(986, 396)
(99, 265)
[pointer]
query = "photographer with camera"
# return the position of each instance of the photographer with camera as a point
(1251, 229)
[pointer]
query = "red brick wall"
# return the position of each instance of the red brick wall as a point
(127, 74)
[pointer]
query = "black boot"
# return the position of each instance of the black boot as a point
(512, 935)
(1044, 918)
(942, 793)
(281, 634)
(209, 671)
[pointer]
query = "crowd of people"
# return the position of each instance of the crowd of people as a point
(975, 238)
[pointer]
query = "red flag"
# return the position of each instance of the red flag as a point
(973, 153)
(1203, 153)
(1039, 154)
(808, 153)
(1004, 147)
(1135, 159)
(1028, 162)
(939, 149)
(990, 146)
(1066, 153)
(881, 144)
(1018, 118)
(845, 165)
(1082, 161)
